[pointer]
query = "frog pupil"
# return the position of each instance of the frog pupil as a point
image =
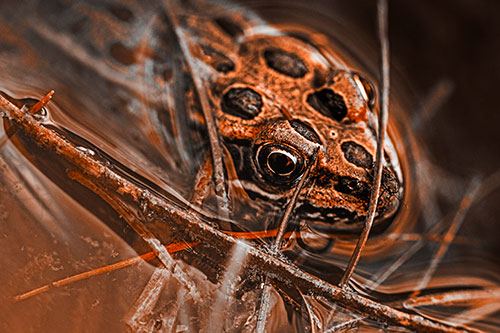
(281, 163)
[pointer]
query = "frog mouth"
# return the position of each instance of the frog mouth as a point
(332, 215)
(329, 220)
(338, 220)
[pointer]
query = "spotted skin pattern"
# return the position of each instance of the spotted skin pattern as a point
(276, 99)
(281, 99)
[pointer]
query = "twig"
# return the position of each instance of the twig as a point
(379, 166)
(475, 314)
(386, 271)
(170, 216)
(291, 204)
(105, 269)
(215, 147)
(266, 290)
(138, 316)
(310, 312)
(465, 204)
(484, 302)
(226, 291)
(455, 297)
(41, 103)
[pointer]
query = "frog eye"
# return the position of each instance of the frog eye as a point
(279, 163)
(329, 103)
(366, 88)
(242, 102)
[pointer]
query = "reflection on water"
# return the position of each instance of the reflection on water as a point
(125, 98)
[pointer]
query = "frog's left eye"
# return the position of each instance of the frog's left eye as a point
(367, 89)
(279, 163)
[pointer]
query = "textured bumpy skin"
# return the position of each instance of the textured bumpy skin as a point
(279, 100)
(275, 97)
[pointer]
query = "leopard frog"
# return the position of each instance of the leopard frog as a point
(275, 94)
(277, 97)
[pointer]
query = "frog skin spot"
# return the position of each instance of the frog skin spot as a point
(357, 154)
(285, 63)
(245, 103)
(329, 103)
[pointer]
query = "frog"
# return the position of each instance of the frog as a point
(284, 111)
(284, 105)
(277, 98)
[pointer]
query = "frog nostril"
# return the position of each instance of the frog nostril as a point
(327, 102)
(281, 162)
(354, 187)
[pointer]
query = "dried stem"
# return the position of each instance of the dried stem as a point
(291, 204)
(145, 303)
(455, 297)
(266, 291)
(41, 103)
(215, 147)
(382, 125)
(118, 190)
(310, 312)
(105, 269)
(448, 237)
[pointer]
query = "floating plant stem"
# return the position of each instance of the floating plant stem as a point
(146, 302)
(225, 294)
(291, 205)
(455, 297)
(448, 237)
(379, 161)
(113, 267)
(149, 256)
(310, 312)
